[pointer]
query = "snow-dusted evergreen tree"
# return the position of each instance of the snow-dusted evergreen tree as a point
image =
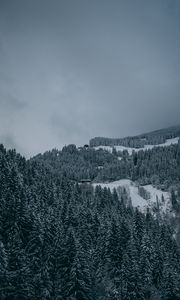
(61, 239)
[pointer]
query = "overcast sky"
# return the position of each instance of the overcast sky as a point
(74, 69)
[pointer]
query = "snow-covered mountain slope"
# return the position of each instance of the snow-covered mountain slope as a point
(157, 201)
(146, 147)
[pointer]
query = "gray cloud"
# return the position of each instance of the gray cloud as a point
(71, 70)
(10, 103)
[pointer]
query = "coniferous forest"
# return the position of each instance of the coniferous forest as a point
(63, 239)
(89, 150)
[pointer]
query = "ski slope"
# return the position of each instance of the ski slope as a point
(156, 200)
(146, 147)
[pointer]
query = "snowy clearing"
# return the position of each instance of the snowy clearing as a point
(146, 147)
(158, 199)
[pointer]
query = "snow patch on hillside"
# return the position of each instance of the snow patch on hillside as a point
(146, 147)
(159, 201)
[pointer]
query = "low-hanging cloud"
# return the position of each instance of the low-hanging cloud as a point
(71, 70)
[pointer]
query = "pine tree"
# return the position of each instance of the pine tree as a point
(3, 271)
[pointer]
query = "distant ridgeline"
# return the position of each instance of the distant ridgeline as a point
(139, 141)
(159, 166)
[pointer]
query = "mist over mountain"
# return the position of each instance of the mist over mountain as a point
(72, 70)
